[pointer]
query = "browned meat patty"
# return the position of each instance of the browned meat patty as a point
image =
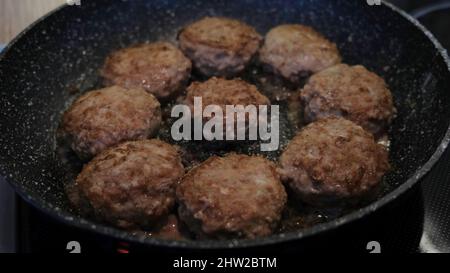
(222, 92)
(104, 118)
(351, 92)
(236, 196)
(160, 68)
(219, 46)
(131, 185)
(334, 161)
(294, 51)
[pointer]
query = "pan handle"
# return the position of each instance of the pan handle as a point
(421, 12)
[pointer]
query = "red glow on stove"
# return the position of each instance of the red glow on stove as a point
(123, 248)
(123, 251)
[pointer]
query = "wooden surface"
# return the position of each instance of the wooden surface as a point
(15, 15)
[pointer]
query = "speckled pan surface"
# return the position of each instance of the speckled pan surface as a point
(63, 52)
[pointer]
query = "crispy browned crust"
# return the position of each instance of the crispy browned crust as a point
(222, 92)
(103, 118)
(352, 92)
(160, 68)
(219, 46)
(333, 161)
(294, 51)
(236, 196)
(133, 184)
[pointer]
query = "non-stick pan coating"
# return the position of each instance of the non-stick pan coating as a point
(61, 54)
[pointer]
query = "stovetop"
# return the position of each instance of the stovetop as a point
(420, 224)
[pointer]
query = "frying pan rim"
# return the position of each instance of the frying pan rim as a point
(109, 231)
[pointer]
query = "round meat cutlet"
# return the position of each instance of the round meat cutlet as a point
(222, 92)
(219, 46)
(351, 92)
(104, 118)
(160, 68)
(295, 51)
(334, 161)
(236, 196)
(131, 185)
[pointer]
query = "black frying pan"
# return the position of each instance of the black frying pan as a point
(63, 51)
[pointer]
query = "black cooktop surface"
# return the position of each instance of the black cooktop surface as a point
(420, 224)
